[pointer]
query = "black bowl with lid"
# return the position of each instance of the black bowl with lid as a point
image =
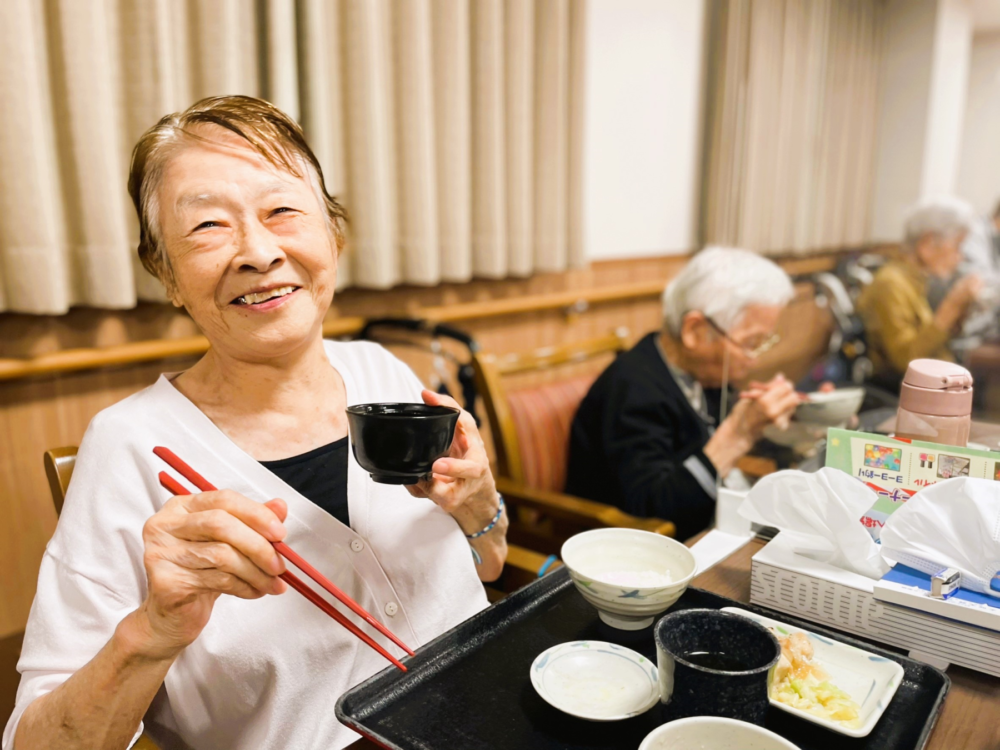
(398, 443)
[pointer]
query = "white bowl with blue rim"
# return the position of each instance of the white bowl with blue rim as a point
(630, 576)
(596, 680)
(713, 733)
(871, 680)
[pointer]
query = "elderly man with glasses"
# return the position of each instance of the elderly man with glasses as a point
(650, 436)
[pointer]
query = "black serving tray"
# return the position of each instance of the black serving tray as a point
(469, 689)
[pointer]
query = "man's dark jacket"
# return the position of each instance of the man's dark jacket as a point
(637, 443)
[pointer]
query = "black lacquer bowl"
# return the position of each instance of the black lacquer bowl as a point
(398, 443)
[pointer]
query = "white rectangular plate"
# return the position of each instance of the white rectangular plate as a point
(868, 678)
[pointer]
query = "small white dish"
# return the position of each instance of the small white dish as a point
(871, 680)
(713, 733)
(596, 680)
(597, 559)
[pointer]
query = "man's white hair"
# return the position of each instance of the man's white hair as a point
(721, 282)
(942, 216)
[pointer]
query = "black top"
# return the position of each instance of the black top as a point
(319, 475)
(637, 443)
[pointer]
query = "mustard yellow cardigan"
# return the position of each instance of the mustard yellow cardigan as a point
(899, 321)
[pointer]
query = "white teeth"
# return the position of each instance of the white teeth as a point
(257, 297)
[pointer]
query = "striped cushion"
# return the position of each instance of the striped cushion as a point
(542, 417)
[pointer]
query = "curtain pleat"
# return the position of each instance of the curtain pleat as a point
(371, 163)
(576, 247)
(418, 240)
(551, 133)
(489, 187)
(793, 87)
(280, 43)
(322, 100)
(519, 101)
(451, 40)
(36, 264)
(450, 129)
(85, 86)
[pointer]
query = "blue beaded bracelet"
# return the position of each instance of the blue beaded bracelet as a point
(493, 523)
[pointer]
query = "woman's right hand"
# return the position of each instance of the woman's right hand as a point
(198, 547)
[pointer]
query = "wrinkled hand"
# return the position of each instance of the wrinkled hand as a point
(955, 306)
(762, 404)
(968, 288)
(200, 546)
(462, 482)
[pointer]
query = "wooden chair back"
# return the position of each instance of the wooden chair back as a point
(59, 463)
(542, 515)
(491, 371)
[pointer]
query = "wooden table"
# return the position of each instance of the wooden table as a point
(971, 716)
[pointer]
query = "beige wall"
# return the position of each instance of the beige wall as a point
(979, 170)
(642, 126)
(925, 71)
(949, 81)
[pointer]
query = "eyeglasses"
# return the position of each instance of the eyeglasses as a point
(752, 349)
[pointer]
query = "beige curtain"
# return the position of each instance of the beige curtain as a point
(451, 129)
(792, 116)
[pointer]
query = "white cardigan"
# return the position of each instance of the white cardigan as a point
(263, 673)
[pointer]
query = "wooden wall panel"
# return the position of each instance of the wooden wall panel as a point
(38, 414)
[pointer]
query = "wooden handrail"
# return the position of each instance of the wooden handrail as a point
(72, 360)
(541, 302)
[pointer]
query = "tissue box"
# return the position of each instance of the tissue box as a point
(788, 582)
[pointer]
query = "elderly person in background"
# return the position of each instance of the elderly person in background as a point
(648, 436)
(899, 320)
(171, 608)
(981, 248)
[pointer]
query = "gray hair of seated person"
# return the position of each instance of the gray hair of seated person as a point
(721, 282)
(943, 216)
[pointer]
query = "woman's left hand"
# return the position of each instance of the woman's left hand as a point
(462, 484)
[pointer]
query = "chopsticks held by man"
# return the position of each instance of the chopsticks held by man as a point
(169, 608)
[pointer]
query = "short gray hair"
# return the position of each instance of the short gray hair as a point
(721, 282)
(943, 216)
(270, 132)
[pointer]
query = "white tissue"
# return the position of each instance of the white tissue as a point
(822, 512)
(952, 524)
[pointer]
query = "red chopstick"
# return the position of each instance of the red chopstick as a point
(204, 485)
(284, 550)
(172, 485)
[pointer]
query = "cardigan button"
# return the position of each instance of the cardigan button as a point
(357, 545)
(391, 609)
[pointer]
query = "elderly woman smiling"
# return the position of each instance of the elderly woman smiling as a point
(168, 608)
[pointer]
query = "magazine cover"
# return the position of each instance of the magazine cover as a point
(897, 468)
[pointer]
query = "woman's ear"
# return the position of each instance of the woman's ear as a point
(167, 279)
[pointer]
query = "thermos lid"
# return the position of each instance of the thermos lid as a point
(941, 389)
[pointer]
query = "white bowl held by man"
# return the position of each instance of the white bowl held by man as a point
(831, 408)
(630, 576)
